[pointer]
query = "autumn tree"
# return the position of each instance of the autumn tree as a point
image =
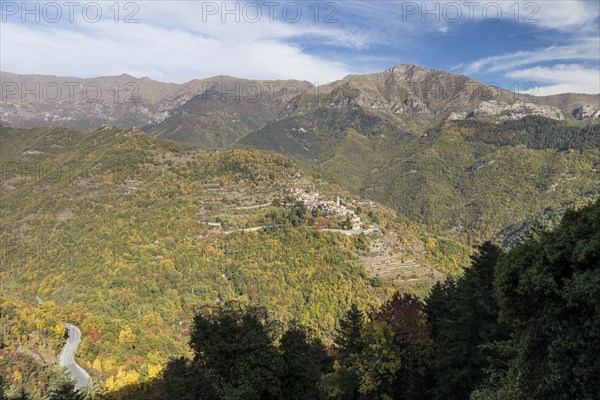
(395, 361)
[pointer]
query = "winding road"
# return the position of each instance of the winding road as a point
(67, 357)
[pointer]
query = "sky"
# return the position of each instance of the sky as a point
(536, 47)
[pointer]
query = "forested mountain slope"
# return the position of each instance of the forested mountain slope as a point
(125, 235)
(225, 110)
(437, 147)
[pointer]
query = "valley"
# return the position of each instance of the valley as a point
(299, 200)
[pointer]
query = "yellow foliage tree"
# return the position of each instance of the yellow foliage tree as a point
(154, 370)
(126, 335)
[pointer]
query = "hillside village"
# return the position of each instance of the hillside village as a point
(312, 202)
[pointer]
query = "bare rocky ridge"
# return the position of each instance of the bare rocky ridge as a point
(504, 111)
(410, 95)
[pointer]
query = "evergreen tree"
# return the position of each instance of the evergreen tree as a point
(235, 346)
(302, 358)
(185, 380)
(350, 346)
(463, 316)
(548, 290)
(91, 391)
(348, 338)
(19, 394)
(63, 388)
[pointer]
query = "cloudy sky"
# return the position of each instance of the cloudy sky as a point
(539, 47)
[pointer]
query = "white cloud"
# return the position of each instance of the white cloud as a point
(580, 15)
(576, 23)
(585, 49)
(563, 78)
(171, 42)
(561, 15)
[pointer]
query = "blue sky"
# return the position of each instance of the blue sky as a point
(553, 46)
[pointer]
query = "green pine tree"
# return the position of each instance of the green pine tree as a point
(236, 346)
(350, 345)
(63, 388)
(548, 290)
(463, 315)
(302, 360)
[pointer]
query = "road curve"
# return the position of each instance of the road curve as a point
(67, 357)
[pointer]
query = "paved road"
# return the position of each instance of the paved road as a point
(67, 357)
(351, 232)
(253, 229)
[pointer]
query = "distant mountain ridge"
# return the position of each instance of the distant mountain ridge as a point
(28, 101)
(225, 110)
(409, 95)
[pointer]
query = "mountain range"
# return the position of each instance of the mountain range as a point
(407, 95)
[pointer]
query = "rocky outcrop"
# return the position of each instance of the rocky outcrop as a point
(457, 116)
(586, 112)
(504, 111)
